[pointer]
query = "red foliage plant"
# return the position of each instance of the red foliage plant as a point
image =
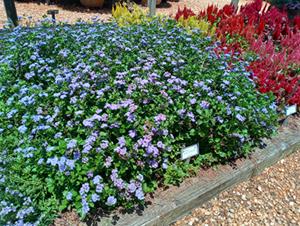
(185, 13)
(273, 72)
(270, 34)
(296, 23)
(252, 11)
(214, 14)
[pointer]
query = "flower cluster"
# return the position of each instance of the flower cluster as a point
(17, 206)
(94, 114)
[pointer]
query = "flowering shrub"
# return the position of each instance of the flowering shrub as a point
(266, 33)
(95, 116)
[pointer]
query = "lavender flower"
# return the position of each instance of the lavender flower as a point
(219, 119)
(204, 104)
(69, 196)
(88, 123)
(111, 201)
(240, 118)
(132, 133)
(165, 164)
(41, 160)
(99, 188)
(181, 112)
(97, 179)
(108, 162)
(85, 159)
(53, 161)
(160, 145)
(95, 197)
(22, 129)
(86, 149)
(160, 118)
(76, 155)
(72, 144)
(122, 141)
(139, 194)
(70, 163)
(104, 144)
(193, 101)
(121, 150)
(85, 207)
(90, 174)
(85, 187)
(191, 116)
(228, 111)
(131, 187)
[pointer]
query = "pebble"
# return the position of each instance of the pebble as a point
(259, 188)
(246, 204)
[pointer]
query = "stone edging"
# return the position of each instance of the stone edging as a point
(169, 206)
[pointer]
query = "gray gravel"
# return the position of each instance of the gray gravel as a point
(272, 198)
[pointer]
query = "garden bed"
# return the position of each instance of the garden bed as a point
(97, 117)
(171, 204)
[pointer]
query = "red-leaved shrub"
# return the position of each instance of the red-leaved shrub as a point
(268, 33)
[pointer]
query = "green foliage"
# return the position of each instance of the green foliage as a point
(96, 115)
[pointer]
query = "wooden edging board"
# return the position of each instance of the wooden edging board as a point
(172, 204)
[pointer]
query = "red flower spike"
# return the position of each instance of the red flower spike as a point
(186, 13)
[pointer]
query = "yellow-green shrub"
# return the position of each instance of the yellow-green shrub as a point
(124, 17)
(194, 23)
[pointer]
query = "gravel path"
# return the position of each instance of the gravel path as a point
(73, 13)
(272, 198)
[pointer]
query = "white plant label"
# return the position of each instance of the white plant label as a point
(291, 110)
(189, 151)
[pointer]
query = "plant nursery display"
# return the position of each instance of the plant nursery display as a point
(97, 116)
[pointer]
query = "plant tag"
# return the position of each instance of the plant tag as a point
(189, 151)
(291, 110)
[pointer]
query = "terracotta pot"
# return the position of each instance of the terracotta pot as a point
(145, 2)
(92, 3)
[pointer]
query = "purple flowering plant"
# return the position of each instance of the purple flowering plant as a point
(94, 115)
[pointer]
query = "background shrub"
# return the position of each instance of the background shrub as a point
(94, 115)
